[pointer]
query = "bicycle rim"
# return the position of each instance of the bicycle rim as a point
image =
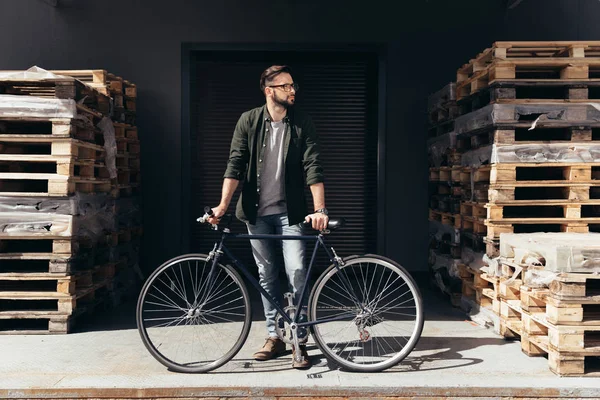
(191, 321)
(378, 312)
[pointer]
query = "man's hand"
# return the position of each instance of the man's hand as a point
(319, 221)
(218, 212)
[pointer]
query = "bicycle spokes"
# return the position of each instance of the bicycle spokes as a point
(191, 317)
(369, 312)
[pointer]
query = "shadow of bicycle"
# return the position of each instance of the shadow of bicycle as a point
(430, 354)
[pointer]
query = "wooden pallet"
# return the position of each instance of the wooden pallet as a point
(513, 116)
(60, 247)
(15, 184)
(61, 321)
(445, 218)
(97, 78)
(558, 308)
(445, 174)
(49, 154)
(571, 286)
(474, 225)
(442, 97)
(36, 262)
(50, 165)
(55, 283)
(446, 113)
(561, 363)
(80, 129)
(543, 190)
(122, 92)
(126, 190)
(478, 242)
(556, 171)
(479, 287)
(125, 131)
(516, 50)
(524, 91)
(567, 68)
(583, 138)
(519, 225)
(440, 129)
(60, 88)
(555, 209)
(473, 209)
(478, 192)
(64, 301)
(128, 146)
(469, 175)
(568, 348)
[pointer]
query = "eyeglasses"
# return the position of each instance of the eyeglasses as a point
(287, 87)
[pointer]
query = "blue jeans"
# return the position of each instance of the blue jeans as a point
(268, 270)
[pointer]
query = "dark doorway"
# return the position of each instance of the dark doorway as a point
(339, 91)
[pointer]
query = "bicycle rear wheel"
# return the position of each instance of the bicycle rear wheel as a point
(189, 320)
(369, 311)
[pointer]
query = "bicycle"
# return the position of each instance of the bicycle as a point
(194, 312)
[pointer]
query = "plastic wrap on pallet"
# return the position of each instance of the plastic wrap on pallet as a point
(490, 115)
(446, 275)
(442, 96)
(532, 153)
(476, 158)
(544, 153)
(438, 230)
(14, 106)
(91, 222)
(78, 204)
(34, 73)
(493, 265)
(473, 258)
(553, 252)
(439, 146)
(40, 224)
(480, 315)
(128, 212)
(110, 145)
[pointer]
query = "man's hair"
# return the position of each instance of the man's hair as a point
(270, 73)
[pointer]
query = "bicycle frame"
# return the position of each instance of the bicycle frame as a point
(219, 249)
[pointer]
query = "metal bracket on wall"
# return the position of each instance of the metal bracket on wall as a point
(53, 3)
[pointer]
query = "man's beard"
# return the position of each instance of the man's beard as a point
(285, 103)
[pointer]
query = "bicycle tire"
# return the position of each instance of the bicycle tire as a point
(330, 348)
(148, 298)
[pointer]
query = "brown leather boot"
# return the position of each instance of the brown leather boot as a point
(305, 363)
(272, 348)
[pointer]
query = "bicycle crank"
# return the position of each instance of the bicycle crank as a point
(285, 330)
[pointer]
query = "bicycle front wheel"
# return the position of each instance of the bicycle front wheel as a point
(191, 320)
(369, 313)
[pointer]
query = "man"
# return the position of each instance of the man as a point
(275, 150)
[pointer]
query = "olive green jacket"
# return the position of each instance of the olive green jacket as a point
(301, 159)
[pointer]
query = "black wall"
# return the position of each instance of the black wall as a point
(427, 40)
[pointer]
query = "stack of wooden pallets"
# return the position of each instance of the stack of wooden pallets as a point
(549, 298)
(123, 95)
(60, 242)
(528, 136)
(444, 192)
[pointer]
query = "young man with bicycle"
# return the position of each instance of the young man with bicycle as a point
(275, 151)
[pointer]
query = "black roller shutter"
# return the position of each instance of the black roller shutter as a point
(337, 89)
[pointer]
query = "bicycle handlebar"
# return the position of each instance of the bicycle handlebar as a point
(208, 212)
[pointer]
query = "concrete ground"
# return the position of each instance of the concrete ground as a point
(105, 358)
